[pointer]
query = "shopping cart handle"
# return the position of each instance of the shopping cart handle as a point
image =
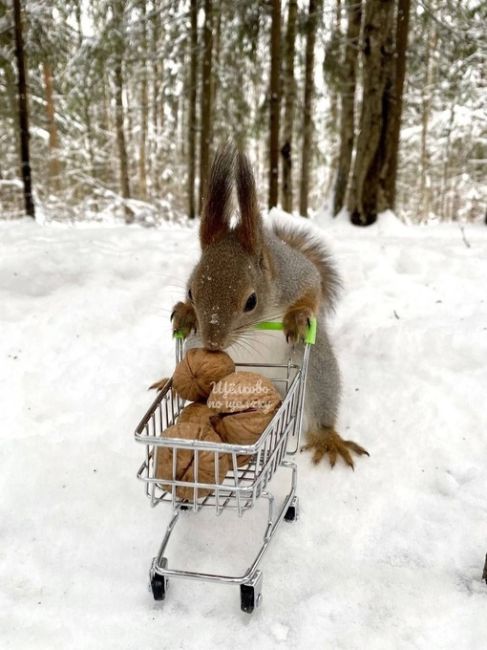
(273, 325)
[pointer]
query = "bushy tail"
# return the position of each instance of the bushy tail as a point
(315, 250)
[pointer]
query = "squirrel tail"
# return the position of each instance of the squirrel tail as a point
(311, 246)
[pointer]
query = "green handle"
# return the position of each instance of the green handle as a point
(273, 325)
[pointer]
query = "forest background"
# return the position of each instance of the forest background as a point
(113, 109)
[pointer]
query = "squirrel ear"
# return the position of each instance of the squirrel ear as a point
(217, 209)
(249, 229)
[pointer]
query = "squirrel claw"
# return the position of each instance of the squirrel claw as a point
(296, 324)
(327, 441)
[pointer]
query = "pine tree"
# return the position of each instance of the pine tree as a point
(397, 73)
(118, 8)
(274, 103)
(192, 124)
(206, 100)
(23, 111)
(315, 7)
(348, 76)
(371, 146)
(289, 92)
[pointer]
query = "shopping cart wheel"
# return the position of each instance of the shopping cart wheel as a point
(158, 582)
(292, 512)
(251, 594)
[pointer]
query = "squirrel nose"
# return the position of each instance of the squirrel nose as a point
(212, 345)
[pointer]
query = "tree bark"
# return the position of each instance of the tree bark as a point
(192, 124)
(426, 97)
(156, 95)
(309, 91)
(389, 170)
(118, 10)
(274, 104)
(144, 107)
(371, 146)
(53, 166)
(23, 112)
(206, 103)
(289, 101)
(347, 91)
(332, 123)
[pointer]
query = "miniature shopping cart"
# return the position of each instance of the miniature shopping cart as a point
(244, 483)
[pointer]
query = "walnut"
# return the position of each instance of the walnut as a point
(185, 458)
(197, 413)
(243, 391)
(195, 374)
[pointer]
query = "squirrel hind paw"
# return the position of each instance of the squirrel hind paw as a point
(328, 441)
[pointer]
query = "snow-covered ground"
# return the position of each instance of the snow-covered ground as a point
(388, 556)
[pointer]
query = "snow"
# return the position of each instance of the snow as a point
(388, 556)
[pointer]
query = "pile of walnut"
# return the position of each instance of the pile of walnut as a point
(228, 406)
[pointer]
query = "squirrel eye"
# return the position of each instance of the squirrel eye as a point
(251, 302)
(190, 295)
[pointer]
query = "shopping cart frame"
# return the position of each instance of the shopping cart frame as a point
(242, 485)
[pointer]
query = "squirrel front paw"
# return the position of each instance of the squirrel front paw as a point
(296, 323)
(183, 318)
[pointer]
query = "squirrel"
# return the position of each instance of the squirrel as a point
(250, 273)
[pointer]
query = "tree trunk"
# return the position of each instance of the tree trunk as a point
(389, 170)
(23, 112)
(312, 23)
(206, 83)
(426, 96)
(216, 64)
(192, 124)
(118, 10)
(289, 101)
(157, 110)
(53, 166)
(332, 125)
(347, 119)
(274, 92)
(371, 146)
(144, 101)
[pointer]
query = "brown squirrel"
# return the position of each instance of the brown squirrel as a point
(250, 273)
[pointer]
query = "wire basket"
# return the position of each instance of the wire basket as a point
(244, 482)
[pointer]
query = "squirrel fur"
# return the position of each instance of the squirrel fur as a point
(251, 272)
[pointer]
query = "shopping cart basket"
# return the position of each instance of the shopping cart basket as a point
(244, 483)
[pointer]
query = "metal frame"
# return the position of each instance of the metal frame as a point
(242, 486)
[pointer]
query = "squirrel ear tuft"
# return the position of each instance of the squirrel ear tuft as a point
(217, 209)
(249, 228)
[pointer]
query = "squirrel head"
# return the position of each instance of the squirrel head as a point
(230, 286)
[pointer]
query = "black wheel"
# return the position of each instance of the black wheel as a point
(158, 585)
(158, 582)
(292, 512)
(247, 599)
(484, 573)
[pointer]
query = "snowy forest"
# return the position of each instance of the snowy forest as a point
(365, 122)
(112, 109)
